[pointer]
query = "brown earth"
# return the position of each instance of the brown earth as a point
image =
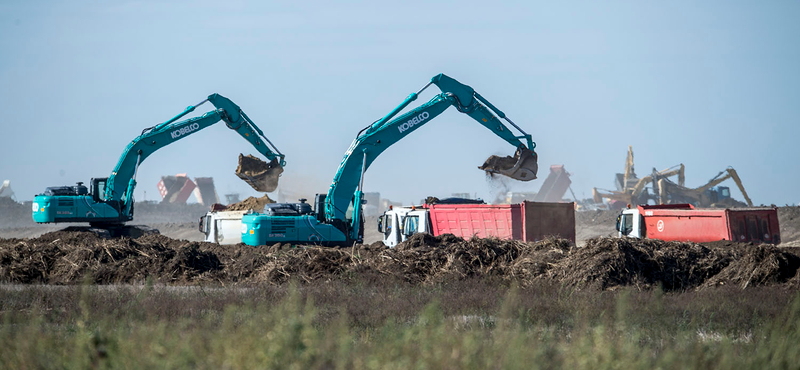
(496, 163)
(260, 175)
(64, 257)
(598, 262)
(256, 204)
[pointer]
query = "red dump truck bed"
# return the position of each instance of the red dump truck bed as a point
(684, 223)
(527, 221)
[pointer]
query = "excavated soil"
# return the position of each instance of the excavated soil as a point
(496, 163)
(256, 204)
(260, 175)
(601, 263)
(68, 257)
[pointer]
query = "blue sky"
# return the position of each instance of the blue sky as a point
(709, 84)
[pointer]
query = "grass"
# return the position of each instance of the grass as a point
(370, 325)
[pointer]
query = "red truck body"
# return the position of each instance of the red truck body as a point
(682, 222)
(175, 189)
(527, 221)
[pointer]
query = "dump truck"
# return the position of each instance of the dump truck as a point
(682, 222)
(176, 189)
(526, 221)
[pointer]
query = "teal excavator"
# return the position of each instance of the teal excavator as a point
(328, 224)
(109, 203)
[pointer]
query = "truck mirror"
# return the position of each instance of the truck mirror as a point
(380, 224)
(618, 218)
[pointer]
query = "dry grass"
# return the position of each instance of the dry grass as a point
(363, 324)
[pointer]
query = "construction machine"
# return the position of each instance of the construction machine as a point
(108, 201)
(633, 190)
(328, 223)
(704, 196)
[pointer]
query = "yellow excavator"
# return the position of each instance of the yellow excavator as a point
(634, 193)
(708, 195)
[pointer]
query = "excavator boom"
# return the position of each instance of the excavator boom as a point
(329, 224)
(376, 138)
(670, 192)
(111, 199)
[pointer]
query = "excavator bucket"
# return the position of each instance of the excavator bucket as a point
(522, 166)
(260, 175)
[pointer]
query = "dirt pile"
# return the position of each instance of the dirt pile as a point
(757, 265)
(67, 257)
(256, 204)
(605, 263)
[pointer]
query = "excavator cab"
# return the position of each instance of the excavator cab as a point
(99, 189)
(523, 166)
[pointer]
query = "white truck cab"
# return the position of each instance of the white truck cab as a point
(399, 223)
(222, 227)
(630, 223)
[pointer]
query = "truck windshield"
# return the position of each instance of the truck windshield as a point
(410, 227)
(388, 222)
(627, 224)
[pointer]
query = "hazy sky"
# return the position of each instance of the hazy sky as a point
(709, 84)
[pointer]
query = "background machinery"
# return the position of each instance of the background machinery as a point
(707, 195)
(328, 223)
(108, 202)
(633, 190)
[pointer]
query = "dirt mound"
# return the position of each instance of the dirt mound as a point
(71, 257)
(427, 259)
(256, 204)
(757, 265)
(607, 263)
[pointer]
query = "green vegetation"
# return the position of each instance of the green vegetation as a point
(371, 325)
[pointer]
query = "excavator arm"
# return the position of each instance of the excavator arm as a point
(731, 174)
(667, 188)
(632, 195)
(383, 133)
(121, 183)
